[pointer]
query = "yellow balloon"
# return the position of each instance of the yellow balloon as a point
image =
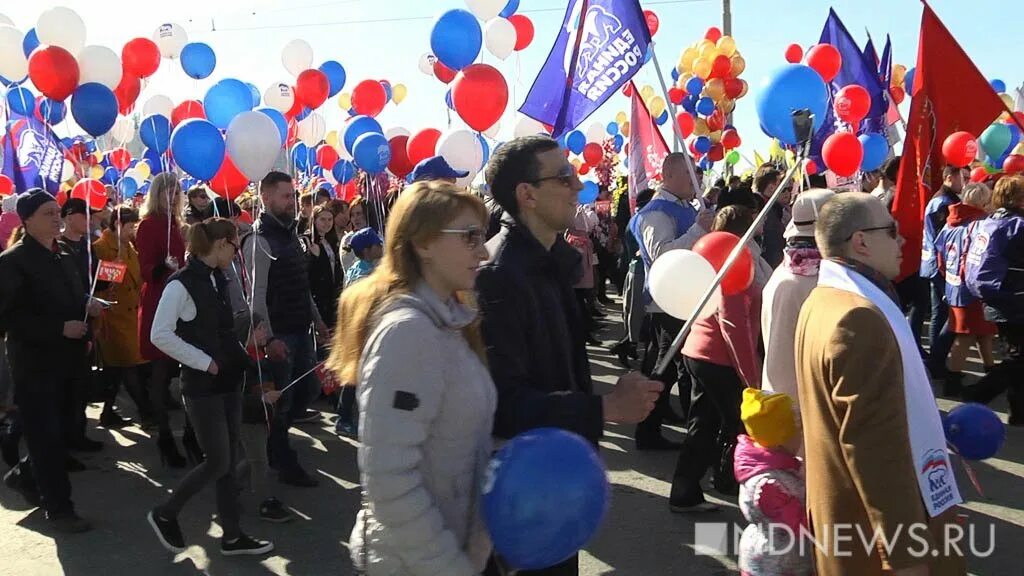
(716, 136)
(621, 117)
(332, 138)
(899, 69)
(344, 101)
(686, 60)
(143, 169)
(1019, 149)
(657, 106)
(683, 79)
(727, 105)
(715, 89)
(398, 93)
(738, 65)
(726, 45)
(575, 163)
(97, 172)
(700, 127)
(774, 149)
(1008, 100)
(647, 92)
(98, 155)
(708, 50)
(624, 129)
(702, 68)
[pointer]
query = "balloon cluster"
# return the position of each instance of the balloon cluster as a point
(707, 86)
(595, 153)
(699, 267)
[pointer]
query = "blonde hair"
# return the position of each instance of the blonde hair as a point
(976, 194)
(1009, 190)
(419, 215)
(157, 199)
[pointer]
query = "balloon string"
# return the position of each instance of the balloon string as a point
(971, 475)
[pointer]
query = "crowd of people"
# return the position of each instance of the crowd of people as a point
(794, 393)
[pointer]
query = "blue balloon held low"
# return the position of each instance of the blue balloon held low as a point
(51, 111)
(791, 88)
(343, 171)
(21, 100)
(155, 132)
(589, 193)
(225, 100)
(356, 127)
(998, 85)
(509, 8)
(198, 148)
(876, 150)
(371, 152)
(575, 141)
(975, 431)
(335, 73)
(30, 43)
(545, 496)
(198, 60)
(456, 38)
(94, 108)
(279, 121)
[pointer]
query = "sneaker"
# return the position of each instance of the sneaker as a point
(700, 507)
(167, 531)
(309, 416)
(245, 546)
(272, 510)
(68, 522)
(346, 428)
(298, 477)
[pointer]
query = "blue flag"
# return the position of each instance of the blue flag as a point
(885, 65)
(585, 68)
(31, 155)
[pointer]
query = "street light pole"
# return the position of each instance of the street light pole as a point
(727, 17)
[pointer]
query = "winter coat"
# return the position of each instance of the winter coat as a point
(426, 408)
(118, 332)
(326, 278)
(951, 247)
(995, 266)
(771, 496)
(151, 244)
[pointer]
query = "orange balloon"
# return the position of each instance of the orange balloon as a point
(702, 68)
(738, 65)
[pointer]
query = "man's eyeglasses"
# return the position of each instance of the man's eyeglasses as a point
(892, 229)
(567, 177)
(472, 236)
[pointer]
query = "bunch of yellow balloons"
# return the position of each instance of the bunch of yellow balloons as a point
(717, 62)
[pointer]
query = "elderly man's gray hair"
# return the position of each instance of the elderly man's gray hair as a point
(840, 218)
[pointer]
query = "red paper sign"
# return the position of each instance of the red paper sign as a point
(111, 272)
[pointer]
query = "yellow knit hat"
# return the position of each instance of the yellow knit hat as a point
(768, 417)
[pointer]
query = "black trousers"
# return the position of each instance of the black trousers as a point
(713, 424)
(666, 328)
(1006, 376)
(570, 567)
(42, 398)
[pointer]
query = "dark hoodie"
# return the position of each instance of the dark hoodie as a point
(951, 247)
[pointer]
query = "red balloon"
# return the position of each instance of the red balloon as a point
(842, 153)
(652, 21)
(400, 165)
(584, 169)
(141, 57)
(716, 121)
(54, 71)
(187, 110)
(733, 87)
(443, 73)
(326, 156)
(731, 139)
(229, 181)
(312, 87)
(1014, 164)
(524, 30)
(825, 60)
(480, 96)
(960, 149)
(686, 123)
(92, 191)
(979, 174)
(720, 66)
(422, 144)
(127, 92)
(794, 54)
(852, 104)
(716, 153)
(715, 248)
(713, 34)
(119, 158)
(811, 167)
(62, 198)
(369, 98)
(296, 108)
(676, 95)
(6, 185)
(593, 153)
(898, 94)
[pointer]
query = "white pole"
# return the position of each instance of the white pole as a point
(679, 140)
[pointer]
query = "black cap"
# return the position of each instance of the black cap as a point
(73, 206)
(31, 201)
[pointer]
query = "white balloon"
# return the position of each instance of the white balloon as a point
(396, 131)
(527, 126)
(135, 175)
(13, 64)
(312, 129)
(4, 20)
(492, 132)
(253, 143)
(67, 171)
(99, 64)
(158, 104)
(597, 132)
(123, 130)
(170, 38)
(678, 280)
(427, 64)
(279, 96)
(62, 27)
(297, 56)
(486, 9)
(500, 37)
(463, 152)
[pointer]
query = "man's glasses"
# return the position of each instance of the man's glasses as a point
(472, 236)
(892, 229)
(567, 176)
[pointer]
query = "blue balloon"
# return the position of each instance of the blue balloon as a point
(343, 171)
(649, 54)
(372, 152)
(792, 87)
(674, 73)
(225, 100)
(908, 81)
(155, 132)
(975, 431)
(612, 128)
(198, 148)
(387, 91)
(335, 73)
(21, 100)
(94, 108)
(306, 111)
(128, 187)
(705, 106)
(448, 99)
(690, 103)
(509, 8)
(198, 60)
(998, 85)
(300, 156)
(155, 161)
(485, 147)
(67, 142)
(694, 86)
(660, 120)
(30, 43)
(256, 98)
(705, 163)
(576, 141)
(618, 141)
(589, 193)
(456, 38)
(545, 497)
(110, 175)
(876, 150)
(279, 121)
(52, 112)
(357, 127)
(1014, 136)
(145, 188)
(702, 144)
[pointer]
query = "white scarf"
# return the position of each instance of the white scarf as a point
(927, 439)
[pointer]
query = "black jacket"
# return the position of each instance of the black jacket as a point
(325, 280)
(288, 293)
(535, 336)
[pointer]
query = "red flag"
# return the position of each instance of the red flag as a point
(111, 271)
(647, 148)
(949, 95)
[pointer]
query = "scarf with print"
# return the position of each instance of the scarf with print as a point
(801, 257)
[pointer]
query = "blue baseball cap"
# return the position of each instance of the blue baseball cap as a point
(435, 168)
(364, 239)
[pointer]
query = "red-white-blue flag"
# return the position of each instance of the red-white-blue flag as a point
(31, 155)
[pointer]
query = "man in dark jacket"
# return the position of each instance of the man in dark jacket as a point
(940, 338)
(766, 181)
(531, 324)
(42, 307)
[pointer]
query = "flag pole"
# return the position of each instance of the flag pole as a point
(573, 62)
(676, 130)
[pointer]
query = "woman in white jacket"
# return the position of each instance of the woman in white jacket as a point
(426, 400)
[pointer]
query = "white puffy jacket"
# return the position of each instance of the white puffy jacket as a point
(426, 405)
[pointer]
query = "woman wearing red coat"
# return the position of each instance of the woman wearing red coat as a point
(161, 251)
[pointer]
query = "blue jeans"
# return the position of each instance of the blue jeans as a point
(293, 403)
(940, 337)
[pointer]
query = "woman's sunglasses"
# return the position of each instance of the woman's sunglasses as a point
(472, 236)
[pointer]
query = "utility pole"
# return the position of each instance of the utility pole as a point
(727, 17)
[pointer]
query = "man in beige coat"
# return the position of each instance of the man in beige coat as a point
(868, 413)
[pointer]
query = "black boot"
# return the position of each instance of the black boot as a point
(621, 349)
(112, 420)
(169, 455)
